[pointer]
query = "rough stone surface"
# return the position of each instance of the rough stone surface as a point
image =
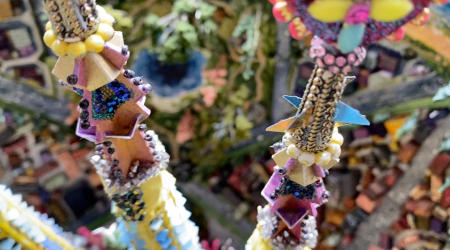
(389, 211)
(215, 206)
(281, 79)
(30, 99)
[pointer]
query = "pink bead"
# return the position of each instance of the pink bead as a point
(329, 59)
(334, 69)
(340, 61)
(351, 58)
(320, 52)
(316, 41)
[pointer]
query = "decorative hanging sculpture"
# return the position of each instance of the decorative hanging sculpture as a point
(130, 159)
(311, 144)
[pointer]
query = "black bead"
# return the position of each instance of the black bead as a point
(85, 124)
(111, 151)
(273, 196)
(128, 73)
(84, 115)
(138, 81)
(99, 147)
(84, 104)
(282, 171)
(125, 50)
(107, 143)
(143, 127)
(72, 79)
(148, 137)
(115, 163)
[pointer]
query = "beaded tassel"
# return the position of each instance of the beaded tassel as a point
(310, 147)
(129, 158)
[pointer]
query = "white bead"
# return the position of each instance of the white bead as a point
(338, 139)
(306, 159)
(293, 151)
(334, 149)
(323, 158)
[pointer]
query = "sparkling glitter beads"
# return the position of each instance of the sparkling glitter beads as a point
(107, 99)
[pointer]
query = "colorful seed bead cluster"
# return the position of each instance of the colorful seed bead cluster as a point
(131, 205)
(166, 222)
(330, 59)
(129, 158)
(107, 99)
(21, 227)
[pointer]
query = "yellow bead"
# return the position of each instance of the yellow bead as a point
(49, 38)
(76, 49)
(95, 43)
(48, 26)
(105, 31)
(329, 10)
(390, 10)
(60, 48)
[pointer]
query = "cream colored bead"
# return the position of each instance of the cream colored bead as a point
(323, 158)
(48, 26)
(107, 19)
(334, 149)
(306, 159)
(105, 31)
(335, 130)
(287, 137)
(293, 151)
(338, 139)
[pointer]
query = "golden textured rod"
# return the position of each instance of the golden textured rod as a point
(316, 133)
(72, 20)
